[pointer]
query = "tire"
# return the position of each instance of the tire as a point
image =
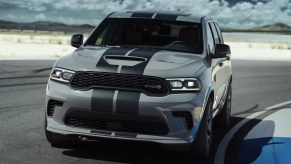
(223, 118)
(58, 140)
(201, 146)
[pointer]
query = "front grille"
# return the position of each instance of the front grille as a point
(117, 123)
(146, 84)
(187, 118)
(51, 106)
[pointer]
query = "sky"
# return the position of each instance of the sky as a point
(229, 13)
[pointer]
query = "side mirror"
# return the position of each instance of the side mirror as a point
(221, 51)
(77, 40)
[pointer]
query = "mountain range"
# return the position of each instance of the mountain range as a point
(43, 23)
(274, 27)
(55, 26)
(46, 26)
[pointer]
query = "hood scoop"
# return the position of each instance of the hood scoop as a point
(123, 60)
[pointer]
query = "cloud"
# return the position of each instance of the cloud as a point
(10, 16)
(244, 14)
(40, 16)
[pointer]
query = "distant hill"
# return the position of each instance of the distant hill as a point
(226, 28)
(45, 26)
(44, 23)
(2, 22)
(86, 28)
(279, 28)
(274, 27)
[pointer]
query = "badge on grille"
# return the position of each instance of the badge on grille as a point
(153, 86)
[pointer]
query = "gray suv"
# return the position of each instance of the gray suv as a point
(144, 76)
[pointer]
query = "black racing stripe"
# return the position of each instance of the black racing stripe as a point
(142, 15)
(102, 100)
(103, 66)
(170, 16)
(127, 102)
(139, 68)
(166, 16)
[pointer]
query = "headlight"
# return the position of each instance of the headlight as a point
(184, 84)
(176, 84)
(62, 75)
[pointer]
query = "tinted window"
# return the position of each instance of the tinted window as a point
(210, 40)
(214, 32)
(100, 39)
(162, 34)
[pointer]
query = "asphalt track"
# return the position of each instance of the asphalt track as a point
(256, 86)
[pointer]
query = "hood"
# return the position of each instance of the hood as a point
(142, 61)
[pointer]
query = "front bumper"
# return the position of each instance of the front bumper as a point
(158, 107)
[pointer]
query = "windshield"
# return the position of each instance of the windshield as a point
(162, 34)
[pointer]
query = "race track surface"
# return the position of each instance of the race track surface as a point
(256, 86)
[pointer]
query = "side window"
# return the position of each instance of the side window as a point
(219, 33)
(210, 40)
(214, 32)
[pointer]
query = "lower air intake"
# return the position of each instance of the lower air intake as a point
(187, 118)
(51, 106)
(117, 122)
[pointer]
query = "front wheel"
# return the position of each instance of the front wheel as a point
(223, 117)
(200, 148)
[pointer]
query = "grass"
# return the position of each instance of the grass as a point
(56, 56)
(258, 31)
(263, 45)
(252, 41)
(56, 41)
(37, 37)
(32, 33)
(281, 46)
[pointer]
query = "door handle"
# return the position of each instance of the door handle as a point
(221, 64)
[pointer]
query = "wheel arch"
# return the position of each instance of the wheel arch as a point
(230, 80)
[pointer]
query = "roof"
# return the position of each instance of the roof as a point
(164, 15)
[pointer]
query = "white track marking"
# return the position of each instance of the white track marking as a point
(278, 105)
(220, 153)
(219, 156)
(275, 125)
